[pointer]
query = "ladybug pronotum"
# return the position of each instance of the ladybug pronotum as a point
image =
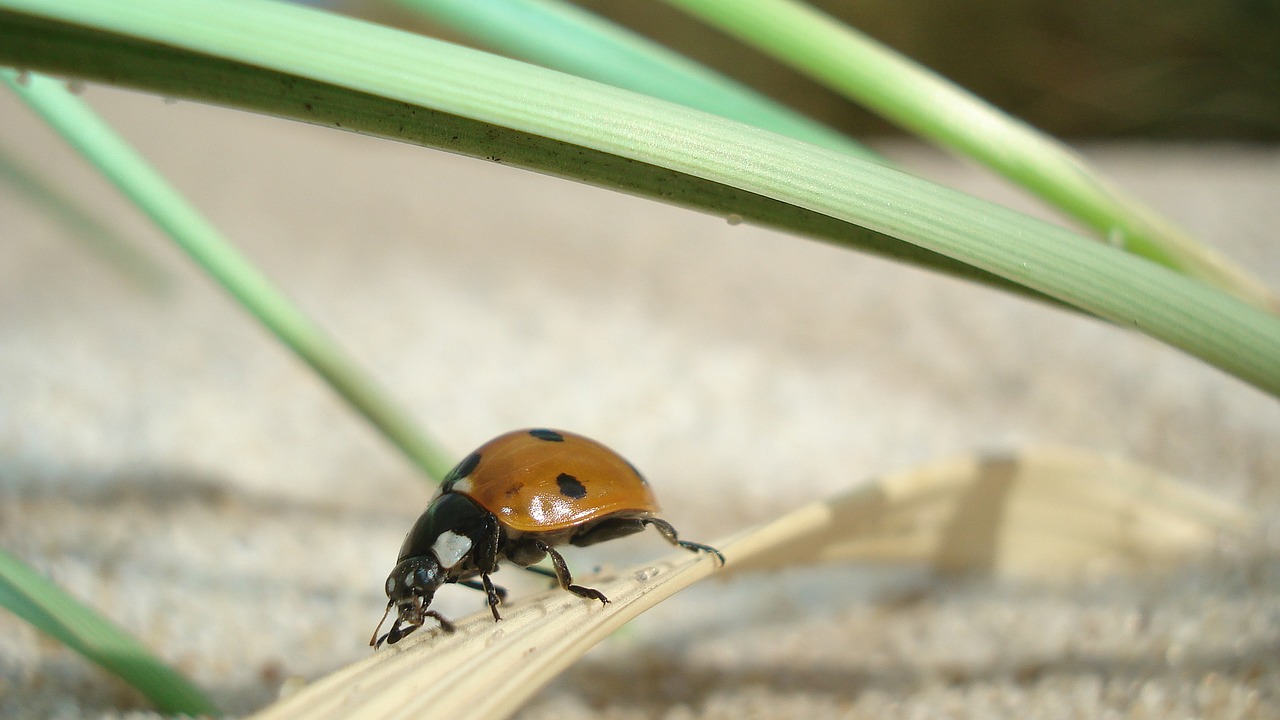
(513, 499)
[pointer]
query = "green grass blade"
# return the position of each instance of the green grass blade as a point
(51, 610)
(917, 99)
(562, 115)
(173, 72)
(85, 131)
(564, 37)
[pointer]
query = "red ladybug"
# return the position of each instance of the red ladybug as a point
(515, 498)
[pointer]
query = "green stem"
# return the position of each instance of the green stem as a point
(51, 610)
(93, 138)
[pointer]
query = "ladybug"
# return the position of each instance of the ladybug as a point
(515, 498)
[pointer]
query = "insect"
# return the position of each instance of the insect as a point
(515, 498)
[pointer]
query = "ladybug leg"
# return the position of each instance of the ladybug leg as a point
(486, 559)
(566, 579)
(523, 553)
(444, 622)
(669, 533)
(485, 553)
(609, 529)
(501, 591)
(526, 551)
(393, 635)
(495, 593)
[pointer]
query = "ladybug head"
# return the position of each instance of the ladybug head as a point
(442, 541)
(410, 588)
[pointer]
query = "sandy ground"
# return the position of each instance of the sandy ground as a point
(167, 462)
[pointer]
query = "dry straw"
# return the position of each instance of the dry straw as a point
(1046, 515)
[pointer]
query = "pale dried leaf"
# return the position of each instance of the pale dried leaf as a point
(1045, 514)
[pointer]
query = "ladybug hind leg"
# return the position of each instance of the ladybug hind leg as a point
(669, 533)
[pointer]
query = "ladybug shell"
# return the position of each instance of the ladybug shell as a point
(538, 481)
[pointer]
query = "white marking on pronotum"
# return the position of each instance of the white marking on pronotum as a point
(461, 486)
(450, 547)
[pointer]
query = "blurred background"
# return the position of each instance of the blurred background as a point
(1120, 69)
(167, 461)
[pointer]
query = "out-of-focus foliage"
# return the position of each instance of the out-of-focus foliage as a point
(1106, 68)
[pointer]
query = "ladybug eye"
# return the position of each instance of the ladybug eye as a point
(426, 579)
(391, 586)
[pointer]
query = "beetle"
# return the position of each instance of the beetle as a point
(515, 498)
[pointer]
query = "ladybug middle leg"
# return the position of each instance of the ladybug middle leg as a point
(566, 579)
(529, 550)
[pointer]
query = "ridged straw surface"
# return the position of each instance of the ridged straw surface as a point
(1048, 514)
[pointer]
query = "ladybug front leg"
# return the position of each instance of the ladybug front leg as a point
(485, 558)
(501, 591)
(485, 553)
(495, 593)
(495, 597)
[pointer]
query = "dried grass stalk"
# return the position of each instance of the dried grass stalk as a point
(1047, 515)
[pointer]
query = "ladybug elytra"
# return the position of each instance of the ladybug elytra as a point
(515, 498)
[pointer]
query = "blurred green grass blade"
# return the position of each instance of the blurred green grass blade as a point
(573, 127)
(51, 610)
(562, 36)
(919, 100)
(173, 72)
(81, 225)
(94, 139)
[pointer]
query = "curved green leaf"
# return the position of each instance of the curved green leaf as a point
(284, 40)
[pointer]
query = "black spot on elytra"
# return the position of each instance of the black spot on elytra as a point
(548, 435)
(461, 470)
(570, 487)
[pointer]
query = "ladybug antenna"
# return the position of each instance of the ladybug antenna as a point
(373, 638)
